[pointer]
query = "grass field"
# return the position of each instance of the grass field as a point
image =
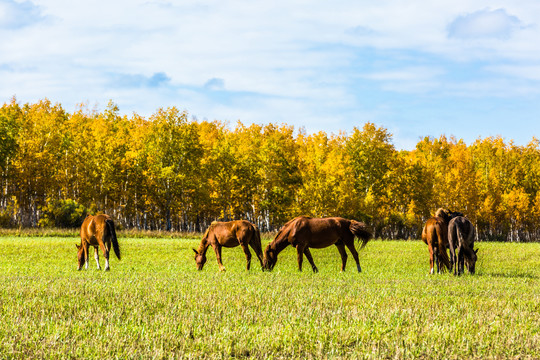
(154, 304)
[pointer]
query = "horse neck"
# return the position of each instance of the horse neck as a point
(203, 246)
(279, 244)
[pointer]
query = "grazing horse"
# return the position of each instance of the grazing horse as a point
(435, 235)
(97, 231)
(305, 232)
(229, 234)
(461, 240)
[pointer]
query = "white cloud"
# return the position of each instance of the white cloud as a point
(16, 15)
(484, 24)
(304, 62)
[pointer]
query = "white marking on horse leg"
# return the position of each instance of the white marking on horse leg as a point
(86, 264)
(107, 264)
(96, 256)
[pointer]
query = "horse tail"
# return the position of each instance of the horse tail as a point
(442, 235)
(256, 243)
(359, 229)
(112, 231)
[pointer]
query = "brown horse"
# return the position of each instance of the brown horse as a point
(435, 235)
(461, 240)
(229, 234)
(97, 231)
(305, 232)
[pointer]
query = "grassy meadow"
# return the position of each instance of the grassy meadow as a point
(154, 304)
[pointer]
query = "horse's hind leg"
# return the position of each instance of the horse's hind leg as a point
(343, 254)
(96, 256)
(248, 255)
(436, 260)
(310, 259)
(431, 259)
(354, 253)
(256, 246)
(105, 250)
(461, 261)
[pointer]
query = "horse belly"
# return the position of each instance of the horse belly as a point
(229, 242)
(322, 239)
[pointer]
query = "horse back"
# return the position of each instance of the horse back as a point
(232, 233)
(434, 229)
(461, 232)
(94, 228)
(319, 232)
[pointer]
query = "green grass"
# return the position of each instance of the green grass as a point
(154, 304)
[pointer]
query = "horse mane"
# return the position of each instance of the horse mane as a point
(203, 244)
(283, 233)
(442, 213)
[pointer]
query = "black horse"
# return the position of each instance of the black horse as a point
(461, 242)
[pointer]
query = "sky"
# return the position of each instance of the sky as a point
(463, 68)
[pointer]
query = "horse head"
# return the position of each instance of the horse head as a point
(470, 260)
(200, 259)
(270, 258)
(80, 256)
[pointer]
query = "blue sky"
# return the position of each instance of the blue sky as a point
(469, 69)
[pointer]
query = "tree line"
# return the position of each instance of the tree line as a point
(172, 172)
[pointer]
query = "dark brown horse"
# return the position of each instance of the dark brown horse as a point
(97, 231)
(461, 240)
(229, 234)
(305, 232)
(435, 235)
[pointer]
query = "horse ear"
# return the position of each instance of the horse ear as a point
(196, 252)
(77, 246)
(476, 251)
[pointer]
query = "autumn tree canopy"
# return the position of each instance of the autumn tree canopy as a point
(171, 172)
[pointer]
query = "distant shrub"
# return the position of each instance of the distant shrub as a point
(6, 220)
(63, 214)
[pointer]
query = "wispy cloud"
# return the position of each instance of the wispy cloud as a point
(16, 15)
(484, 24)
(324, 66)
(137, 80)
(215, 84)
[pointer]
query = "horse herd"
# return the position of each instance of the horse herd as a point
(445, 231)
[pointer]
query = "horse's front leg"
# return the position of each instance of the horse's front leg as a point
(248, 255)
(96, 256)
(300, 256)
(105, 248)
(217, 250)
(86, 256)
(310, 259)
